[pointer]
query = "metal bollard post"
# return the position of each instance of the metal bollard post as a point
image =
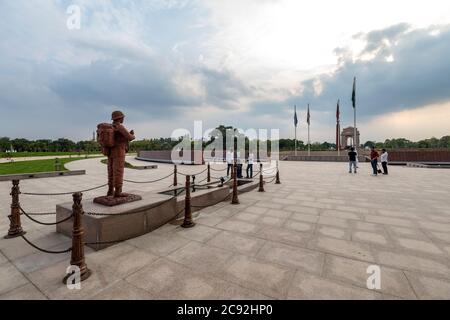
(175, 182)
(208, 178)
(261, 178)
(77, 259)
(235, 199)
(15, 226)
(278, 175)
(193, 183)
(188, 222)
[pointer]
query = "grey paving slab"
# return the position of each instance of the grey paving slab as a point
(392, 281)
(256, 274)
(237, 243)
(10, 278)
(25, 292)
(272, 245)
(169, 280)
(123, 290)
(306, 286)
(428, 287)
(294, 257)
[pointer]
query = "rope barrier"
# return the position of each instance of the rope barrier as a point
(41, 213)
(44, 223)
(270, 180)
(44, 250)
(150, 181)
(218, 170)
(193, 174)
(171, 185)
(62, 193)
(210, 205)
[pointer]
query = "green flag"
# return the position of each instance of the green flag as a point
(354, 93)
(295, 117)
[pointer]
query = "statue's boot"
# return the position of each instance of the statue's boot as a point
(118, 193)
(110, 191)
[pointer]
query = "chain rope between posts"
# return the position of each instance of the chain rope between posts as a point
(41, 213)
(44, 223)
(270, 180)
(219, 170)
(193, 174)
(62, 193)
(150, 181)
(210, 205)
(44, 250)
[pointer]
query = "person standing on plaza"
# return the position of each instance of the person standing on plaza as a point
(230, 159)
(374, 161)
(384, 161)
(352, 160)
(250, 162)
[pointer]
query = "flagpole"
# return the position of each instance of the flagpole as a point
(309, 143)
(295, 140)
(295, 128)
(354, 129)
(309, 124)
(338, 130)
(354, 114)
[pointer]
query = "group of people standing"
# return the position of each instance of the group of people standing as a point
(239, 164)
(374, 155)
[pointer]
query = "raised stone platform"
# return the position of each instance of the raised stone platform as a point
(324, 158)
(104, 226)
(120, 222)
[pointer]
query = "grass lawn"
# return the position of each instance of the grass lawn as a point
(43, 154)
(34, 166)
(127, 164)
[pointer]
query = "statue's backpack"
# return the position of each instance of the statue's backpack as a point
(105, 137)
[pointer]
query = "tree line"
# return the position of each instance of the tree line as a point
(67, 145)
(402, 143)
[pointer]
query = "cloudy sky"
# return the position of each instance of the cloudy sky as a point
(245, 63)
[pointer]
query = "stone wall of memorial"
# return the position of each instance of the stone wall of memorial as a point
(420, 155)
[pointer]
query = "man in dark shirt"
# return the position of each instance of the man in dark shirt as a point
(352, 160)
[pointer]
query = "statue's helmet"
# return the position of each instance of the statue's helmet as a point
(116, 115)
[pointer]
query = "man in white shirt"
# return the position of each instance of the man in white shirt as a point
(250, 161)
(230, 161)
(239, 165)
(384, 161)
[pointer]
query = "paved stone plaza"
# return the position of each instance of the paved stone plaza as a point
(312, 237)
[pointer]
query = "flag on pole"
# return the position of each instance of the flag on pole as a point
(354, 93)
(295, 117)
(308, 117)
(338, 112)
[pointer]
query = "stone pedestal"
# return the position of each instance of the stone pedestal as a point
(119, 222)
(112, 202)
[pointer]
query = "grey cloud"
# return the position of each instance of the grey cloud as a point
(418, 76)
(223, 87)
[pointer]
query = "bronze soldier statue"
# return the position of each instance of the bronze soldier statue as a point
(114, 139)
(116, 155)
